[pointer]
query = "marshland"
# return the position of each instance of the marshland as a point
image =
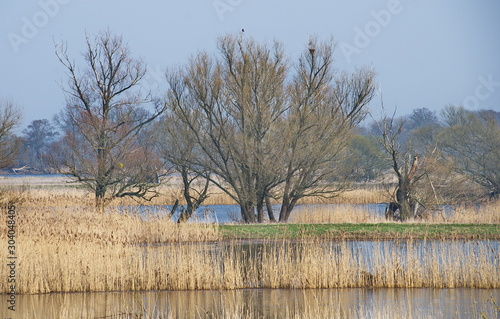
(328, 261)
(248, 188)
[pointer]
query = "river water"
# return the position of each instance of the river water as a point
(262, 303)
(223, 214)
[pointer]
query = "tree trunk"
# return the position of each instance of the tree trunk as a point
(100, 193)
(270, 212)
(287, 208)
(100, 189)
(174, 208)
(186, 213)
(390, 211)
(286, 198)
(287, 205)
(404, 204)
(260, 211)
(284, 207)
(100, 204)
(248, 212)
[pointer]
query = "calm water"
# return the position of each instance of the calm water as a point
(263, 303)
(223, 214)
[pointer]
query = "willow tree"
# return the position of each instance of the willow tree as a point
(232, 103)
(103, 116)
(405, 163)
(324, 108)
(262, 130)
(178, 147)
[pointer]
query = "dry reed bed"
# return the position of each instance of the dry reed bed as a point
(488, 213)
(66, 266)
(320, 214)
(42, 191)
(75, 249)
(83, 224)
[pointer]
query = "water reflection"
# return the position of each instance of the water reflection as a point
(263, 303)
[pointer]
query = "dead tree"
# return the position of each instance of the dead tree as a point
(405, 202)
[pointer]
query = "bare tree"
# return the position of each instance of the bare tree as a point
(232, 103)
(262, 132)
(324, 108)
(102, 119)
(10, 117)
(471, 142)
(409, 197)
(177, 145)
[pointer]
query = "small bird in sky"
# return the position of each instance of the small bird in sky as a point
(242, 30)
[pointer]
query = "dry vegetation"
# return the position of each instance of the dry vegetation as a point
(487, 213)
(54, 225)
(65, 250)
(362, 194)
(320, 214)
(63, 247)
(67, 266)
(58, 191)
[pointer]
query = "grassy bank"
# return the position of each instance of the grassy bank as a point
(348, 231)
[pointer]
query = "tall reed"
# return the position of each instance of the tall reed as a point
(328, 214)
(55, 265)
(486, 213)
(84, 224)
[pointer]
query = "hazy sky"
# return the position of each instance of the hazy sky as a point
(427, 53)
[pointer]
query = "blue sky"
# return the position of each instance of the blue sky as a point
(426, 53)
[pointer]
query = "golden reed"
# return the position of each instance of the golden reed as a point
(68, 250)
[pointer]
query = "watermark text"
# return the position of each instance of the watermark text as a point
(11, 257)
(364, 35)
(485, 88)
(224, 6)
(31, 25)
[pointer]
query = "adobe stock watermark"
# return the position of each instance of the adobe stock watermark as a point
(224, 6)
(31, 25)
(11, 275)
(486, 87)
(155, 77)
(364, 35)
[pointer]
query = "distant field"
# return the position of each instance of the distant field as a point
(43, 186)
(35, 180)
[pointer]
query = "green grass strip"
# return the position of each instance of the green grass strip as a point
(361, 231)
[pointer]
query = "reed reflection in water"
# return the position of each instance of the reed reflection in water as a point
(264, 303)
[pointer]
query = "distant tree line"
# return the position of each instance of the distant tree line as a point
(254, 124)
